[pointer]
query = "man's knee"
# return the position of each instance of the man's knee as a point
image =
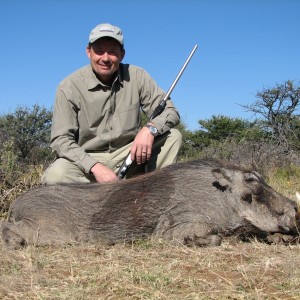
(175, 137)
(166, 150)
(54, 174)
(62, 171)
(170, 141)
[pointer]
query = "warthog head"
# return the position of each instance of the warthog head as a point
(260, 206)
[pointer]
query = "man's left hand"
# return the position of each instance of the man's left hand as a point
(142, 146)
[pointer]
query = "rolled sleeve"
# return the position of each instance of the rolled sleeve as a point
(87, 163)
(168, 119)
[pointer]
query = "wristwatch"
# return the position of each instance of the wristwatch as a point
(152, 129)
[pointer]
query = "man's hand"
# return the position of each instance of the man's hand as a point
(142, 146)
(103, 174)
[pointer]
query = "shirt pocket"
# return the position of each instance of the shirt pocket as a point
(128, 118)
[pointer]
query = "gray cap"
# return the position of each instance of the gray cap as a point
(104, 30)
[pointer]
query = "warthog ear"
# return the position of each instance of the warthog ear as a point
(223, 178)
(254, 182)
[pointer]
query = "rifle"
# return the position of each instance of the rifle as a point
(158, 110)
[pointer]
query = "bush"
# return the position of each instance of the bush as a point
(28, 131)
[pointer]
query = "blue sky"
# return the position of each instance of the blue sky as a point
(243, 47)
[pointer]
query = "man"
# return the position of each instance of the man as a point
(96, 118)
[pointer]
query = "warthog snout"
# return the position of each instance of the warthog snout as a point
(288, 221)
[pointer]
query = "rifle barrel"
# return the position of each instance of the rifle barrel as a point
(180, 73)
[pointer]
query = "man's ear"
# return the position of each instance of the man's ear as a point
(88, 51)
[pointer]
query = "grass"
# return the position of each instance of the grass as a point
(26, 181)
(285, 180)
(155, 271)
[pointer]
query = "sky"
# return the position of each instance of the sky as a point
(244, 46)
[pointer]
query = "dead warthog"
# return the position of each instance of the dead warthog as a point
(194, 203)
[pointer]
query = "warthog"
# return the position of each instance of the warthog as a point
(193, 203)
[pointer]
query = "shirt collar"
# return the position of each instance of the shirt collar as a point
(94, 82)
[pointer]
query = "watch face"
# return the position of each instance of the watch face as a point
(153, 129)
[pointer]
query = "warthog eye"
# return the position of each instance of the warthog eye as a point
(246, 196)
(257, 189)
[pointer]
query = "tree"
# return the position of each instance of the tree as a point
(28, 129)
(277, 107)
(190, 143)
(220, 127)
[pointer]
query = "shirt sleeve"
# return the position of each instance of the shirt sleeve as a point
(64, 131)
(151, 96)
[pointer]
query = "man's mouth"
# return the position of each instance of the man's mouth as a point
(105, 67)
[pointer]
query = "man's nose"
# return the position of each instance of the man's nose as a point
(105, 56)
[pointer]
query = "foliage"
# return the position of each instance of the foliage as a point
(8, 161)
(220, 127)
(216, 134)
(28, 131)
(190, 143)
(278, 108)
(24, 148)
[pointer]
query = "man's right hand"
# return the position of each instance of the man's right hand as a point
(103, 174)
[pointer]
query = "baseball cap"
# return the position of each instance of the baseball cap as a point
(103, 30)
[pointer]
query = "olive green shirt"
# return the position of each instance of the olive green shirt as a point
(92, 117)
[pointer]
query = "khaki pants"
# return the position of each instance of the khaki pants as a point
(164, 152)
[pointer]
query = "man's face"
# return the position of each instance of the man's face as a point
(105, 56)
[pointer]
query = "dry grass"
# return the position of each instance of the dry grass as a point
(285, 181)
(25, 182)
(151, 270)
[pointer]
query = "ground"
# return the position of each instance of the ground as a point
(151, 269)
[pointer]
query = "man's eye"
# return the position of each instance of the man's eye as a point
(101, 52)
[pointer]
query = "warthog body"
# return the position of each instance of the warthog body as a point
(192, 203)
